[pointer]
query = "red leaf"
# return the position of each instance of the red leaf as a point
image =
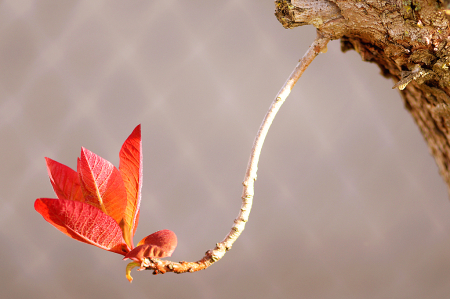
(64, 180)
(102, 184)
(131, 171)
(83, 222)
(159, 244)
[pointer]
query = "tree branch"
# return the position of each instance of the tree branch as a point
(212, 256)
(408, 40)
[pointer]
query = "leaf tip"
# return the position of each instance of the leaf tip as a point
(128, 269)
(37, 204)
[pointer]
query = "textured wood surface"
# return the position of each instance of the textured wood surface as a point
(409, 40)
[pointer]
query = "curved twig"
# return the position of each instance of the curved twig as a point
(212, 256)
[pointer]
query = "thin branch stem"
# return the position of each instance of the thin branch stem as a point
(212, 256)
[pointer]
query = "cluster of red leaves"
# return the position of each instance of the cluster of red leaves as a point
(99, 204)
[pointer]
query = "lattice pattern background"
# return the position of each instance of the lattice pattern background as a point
(349, 203)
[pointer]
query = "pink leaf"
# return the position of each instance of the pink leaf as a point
(83, 222)
(159, 244)
(131, 171)
(64, 180)
(102, 184)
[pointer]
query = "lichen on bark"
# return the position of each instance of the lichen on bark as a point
(408, 39)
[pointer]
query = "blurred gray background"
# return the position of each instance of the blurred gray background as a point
(349, 202)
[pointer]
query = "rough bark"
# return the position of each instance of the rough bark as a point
(410, 42)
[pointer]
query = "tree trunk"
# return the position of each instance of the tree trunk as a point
(410, 42)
